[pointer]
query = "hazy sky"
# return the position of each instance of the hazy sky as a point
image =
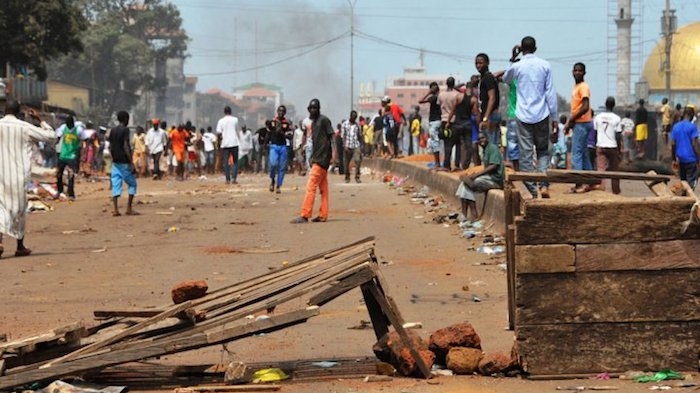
(303, 46)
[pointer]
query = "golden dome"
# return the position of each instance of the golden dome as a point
(685, 61)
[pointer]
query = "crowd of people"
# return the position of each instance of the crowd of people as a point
(464, 128)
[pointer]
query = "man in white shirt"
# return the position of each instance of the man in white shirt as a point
(209, 140)
(306, 143)
(227, 127)
(156, 140)
(298, 147)
(245, 148)
(608, 153)
(535, 109)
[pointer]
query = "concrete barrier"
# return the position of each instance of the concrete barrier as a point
(444, 183)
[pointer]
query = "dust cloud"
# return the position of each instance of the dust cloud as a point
(295, 45)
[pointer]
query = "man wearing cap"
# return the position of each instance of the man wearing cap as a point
(156, 140)
(322, 135)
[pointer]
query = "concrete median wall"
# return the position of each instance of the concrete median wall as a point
(445, 184)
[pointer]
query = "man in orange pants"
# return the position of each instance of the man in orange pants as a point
(322, 135)
(178, 142)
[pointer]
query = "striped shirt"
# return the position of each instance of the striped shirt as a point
(350, 132)
(16, 140)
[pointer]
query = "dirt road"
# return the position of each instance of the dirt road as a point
(84, 259)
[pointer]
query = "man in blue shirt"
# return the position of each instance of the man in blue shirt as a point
(685, 147)
(536, 109)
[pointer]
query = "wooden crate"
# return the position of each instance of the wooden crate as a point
(605, 285)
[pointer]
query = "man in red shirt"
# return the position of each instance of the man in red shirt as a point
(392, 134)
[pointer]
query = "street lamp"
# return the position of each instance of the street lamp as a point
(352, 3)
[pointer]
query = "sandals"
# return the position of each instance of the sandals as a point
(2, 249)
(319, 219)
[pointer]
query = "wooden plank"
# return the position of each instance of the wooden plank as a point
(380, 323)
(658, 187)
(516, 207)
(673, 254)
(544, 258)
(234, 293)
(561, 173)
(583, 177)
(694, 215)
(616, 296)
(231, 291)
(510, 274)
(619, 347)
(280, 293)
(398, 326)
(123, 334)
(153, 349)
(104, 314)
(266, 298)
(344, 285)
(19, 346)
(355, 255)
(275, 322)
(540, 177)
(508, 199)
(635, 220)
(517, 203)
(521, 189)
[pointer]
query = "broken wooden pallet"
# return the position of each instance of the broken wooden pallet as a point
(318, 279)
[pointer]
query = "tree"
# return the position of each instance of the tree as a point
(126, 42)
(35, 31)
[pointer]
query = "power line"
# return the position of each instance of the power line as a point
(384, 41)
(221, 52)
(276, 62)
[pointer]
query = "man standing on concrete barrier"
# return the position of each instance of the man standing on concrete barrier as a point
(685, 148)
(434, 114)
(448, 102)
(536, 109)
(489, 98)
(581, 121)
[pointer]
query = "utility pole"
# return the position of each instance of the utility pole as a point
(668, 27)
(352, 3)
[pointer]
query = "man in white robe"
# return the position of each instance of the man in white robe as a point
(16, 140)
